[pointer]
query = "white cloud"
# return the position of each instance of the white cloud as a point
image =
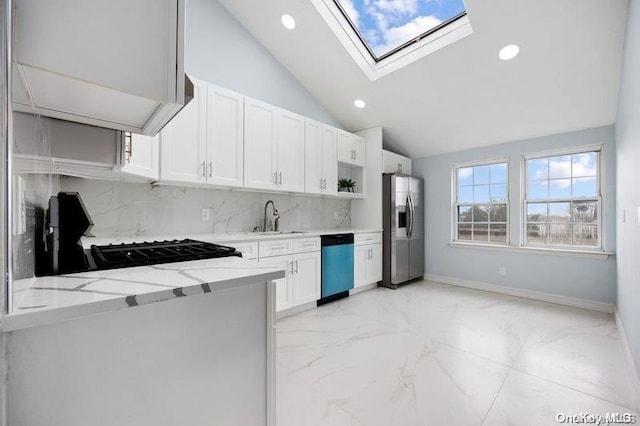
(351, 11)
(467, 172)
(397, 7)
(395, 36)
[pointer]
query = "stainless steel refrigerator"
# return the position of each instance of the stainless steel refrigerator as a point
(403, 223)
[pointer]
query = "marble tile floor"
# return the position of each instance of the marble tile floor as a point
(434, 354)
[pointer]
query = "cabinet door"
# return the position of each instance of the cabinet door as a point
(225, 128)
(404, 164)
(360, 265)
(259, 145)
(345, 147)
(359, 152)
(374, 265)
(183, 142)
(329, 160)
(290, 150)
(313, 157)
(284, 286)
(141, 155)
(306, 282)
(389, 162)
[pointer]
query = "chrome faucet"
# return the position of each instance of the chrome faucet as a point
(275, 215)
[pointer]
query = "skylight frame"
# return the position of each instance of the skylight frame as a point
(406, 44)
(342, 28)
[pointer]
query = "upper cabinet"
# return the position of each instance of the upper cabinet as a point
(273, 148)
(140, 156)
(395, 163)
(260, 160)
(183, 142)
(351, 149)
(321, 174)
(225, 137)
(203, 143)
(114, 64)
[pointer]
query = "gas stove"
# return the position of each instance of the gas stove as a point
(150, 253)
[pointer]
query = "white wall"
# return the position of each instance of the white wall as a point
(591, 279)
(219, 50)
(628, 189)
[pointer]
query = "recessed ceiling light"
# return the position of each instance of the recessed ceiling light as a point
(509, 52)
(288, 21)
(359, 103)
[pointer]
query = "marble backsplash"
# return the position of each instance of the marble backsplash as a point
(123, 209)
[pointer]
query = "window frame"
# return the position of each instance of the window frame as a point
(455, 204)
(599, 148)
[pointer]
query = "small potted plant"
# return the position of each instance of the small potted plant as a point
(346, 185)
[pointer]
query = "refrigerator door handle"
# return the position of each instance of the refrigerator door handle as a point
(409, 216)
(413, 211)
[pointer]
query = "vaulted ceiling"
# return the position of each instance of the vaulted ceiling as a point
(463, 96)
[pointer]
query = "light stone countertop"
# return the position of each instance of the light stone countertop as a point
(51, 299)
(222, 238)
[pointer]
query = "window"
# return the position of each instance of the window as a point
(481, 208)
(385, 27)
(562, 200)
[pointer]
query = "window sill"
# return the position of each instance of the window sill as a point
(543, 251)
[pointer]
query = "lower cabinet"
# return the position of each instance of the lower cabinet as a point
(368, 264)
(301, 284)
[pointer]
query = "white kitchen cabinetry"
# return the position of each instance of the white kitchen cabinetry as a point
(395, 163)
(321, 174)
(260, 145)
(225, 137)
(368, 259)
(274, 148)
(290, 152)
(183, 142)
(301, 260)
(203, 144)
(89, 62)
(140, 156)
(351, 149)
(306, 281)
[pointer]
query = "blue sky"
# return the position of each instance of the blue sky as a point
(387, 24)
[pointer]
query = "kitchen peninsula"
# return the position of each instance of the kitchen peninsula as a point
(178, 343)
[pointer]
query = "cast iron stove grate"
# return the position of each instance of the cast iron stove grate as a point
(150, 253)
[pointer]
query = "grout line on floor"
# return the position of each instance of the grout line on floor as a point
(484, 419)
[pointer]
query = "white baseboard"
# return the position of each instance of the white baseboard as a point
(527, 294)
(633, 372)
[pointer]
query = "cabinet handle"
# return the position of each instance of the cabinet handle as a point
(399, 167)
(210, 168)
(204, 169)
(291, 267)
(325, 184)
(355, 154)
(275, 177)
(320, 183)
(280, 178)
(296, 266)
(128, 147)
(308, 245)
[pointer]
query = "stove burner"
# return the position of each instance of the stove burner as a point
(138, 254)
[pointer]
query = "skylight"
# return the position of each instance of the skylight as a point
(383, 36)
(386, 26)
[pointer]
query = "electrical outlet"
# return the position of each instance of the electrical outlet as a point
(206, 214)
(502, 271)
